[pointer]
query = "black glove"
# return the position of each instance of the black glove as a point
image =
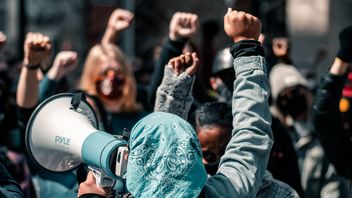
(345, 51)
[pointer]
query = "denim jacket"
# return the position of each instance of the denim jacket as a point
(243, 166)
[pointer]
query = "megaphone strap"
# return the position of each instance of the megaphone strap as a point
(126, 134)
(76, 99)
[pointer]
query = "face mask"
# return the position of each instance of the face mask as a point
(293, 102)
(109, 84)
(211, 168)
(212, 164)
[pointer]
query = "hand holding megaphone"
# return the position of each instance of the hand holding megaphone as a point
(89, 187)
(102, 180)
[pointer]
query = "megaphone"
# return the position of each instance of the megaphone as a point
(62, 133)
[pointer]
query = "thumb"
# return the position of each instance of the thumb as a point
(226, 17)
(228, 10)
(195, 63)
(90, 177)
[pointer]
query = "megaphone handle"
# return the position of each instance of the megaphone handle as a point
(102, 180)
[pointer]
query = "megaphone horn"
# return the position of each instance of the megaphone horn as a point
(62, 133)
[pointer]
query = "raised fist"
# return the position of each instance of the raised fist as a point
(185, 63)
(37, 48)
(183, 25)
(120, 20)
(64, 63)
(3, 39)
(345, 51)
(241, 26)
(280, 47)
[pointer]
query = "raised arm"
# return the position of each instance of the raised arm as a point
(174, 95)
(64, 63)
(37, 49)
(119, 20)
(182, 27)
(327, 118)
(243, 165)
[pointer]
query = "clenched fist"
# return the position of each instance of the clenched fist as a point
(3, 39)
(185, 63)
(241, 26)
(37, 48)
(183, 25)
(119, 20)
(281, 47)
(64, 63)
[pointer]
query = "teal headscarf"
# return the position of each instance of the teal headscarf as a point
(165, 158)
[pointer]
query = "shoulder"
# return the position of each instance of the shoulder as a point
(275, 188)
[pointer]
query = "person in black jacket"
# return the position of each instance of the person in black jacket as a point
(183, 26)
(331, 125)
(8, 186)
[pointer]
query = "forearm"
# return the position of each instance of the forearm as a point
(27, 88)
(109, 36)
(174, 95)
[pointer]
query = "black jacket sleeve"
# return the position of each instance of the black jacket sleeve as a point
(23, 115)
(328, 123)
(169, 50)
(8, 186)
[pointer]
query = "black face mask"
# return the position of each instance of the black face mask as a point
(213, 161)
(228, 76)
(109, 84)
(211, 168)
(293, 102)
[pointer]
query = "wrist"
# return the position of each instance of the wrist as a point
(31, 65)
(175, 37)
(110, 35)
(241, 38)
(54, 75)
(246, 48)
(339, 67)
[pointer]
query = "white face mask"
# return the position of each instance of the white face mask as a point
(303, 127)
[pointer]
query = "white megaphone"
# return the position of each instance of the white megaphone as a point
(62, 133)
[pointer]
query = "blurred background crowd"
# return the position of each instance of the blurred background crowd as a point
(300, 39)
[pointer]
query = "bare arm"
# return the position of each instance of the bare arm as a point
(37, 49)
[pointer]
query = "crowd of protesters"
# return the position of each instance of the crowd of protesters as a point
(257, 130)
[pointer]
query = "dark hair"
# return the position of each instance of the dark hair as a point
(212, 113)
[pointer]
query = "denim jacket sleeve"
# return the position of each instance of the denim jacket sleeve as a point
(243, 165)
(174, 95)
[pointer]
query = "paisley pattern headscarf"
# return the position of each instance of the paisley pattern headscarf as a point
(165, 158)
